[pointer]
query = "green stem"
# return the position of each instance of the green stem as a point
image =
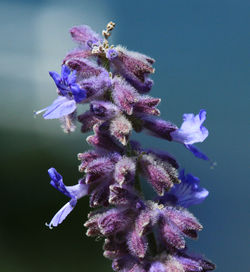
(152, 244)
(105, 63)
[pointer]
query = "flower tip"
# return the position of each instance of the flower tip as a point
(35, 113)
(48, 225)
(202, 115)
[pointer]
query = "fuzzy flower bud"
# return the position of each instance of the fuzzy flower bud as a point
(124, 95)
(158, 177)
(135, 68)
(120, 128)
(125, 171)
(104, 110)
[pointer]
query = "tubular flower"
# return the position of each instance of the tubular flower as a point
(69, 92)
(141, 234)
(74, 192)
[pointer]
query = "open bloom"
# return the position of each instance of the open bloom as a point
(69, 92)
(186, 193)
(191, 130)
(74, 192)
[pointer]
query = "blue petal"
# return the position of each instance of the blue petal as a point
(65, 72)
(60, 107)
(54, 175)
(78, 93)
(72, 78)
(62, 214)
(193, 198)
(57, 182)
(75, 192)
(56, 77)
(197, 152)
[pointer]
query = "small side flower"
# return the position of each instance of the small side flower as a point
(74, 192)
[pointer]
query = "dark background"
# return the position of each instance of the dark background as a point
(201, 49)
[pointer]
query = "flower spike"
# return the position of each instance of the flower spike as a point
(142, 231)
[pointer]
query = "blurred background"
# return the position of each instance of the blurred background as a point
(202, 61)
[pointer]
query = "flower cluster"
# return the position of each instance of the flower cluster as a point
(139, 235)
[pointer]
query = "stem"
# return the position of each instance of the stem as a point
(152, 243)
(138, 183)
(105, 63)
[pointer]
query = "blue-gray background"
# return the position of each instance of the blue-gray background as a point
(202, 61)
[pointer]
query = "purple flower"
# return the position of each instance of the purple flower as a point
(74, 192)
(191, 130)
(186, 193)
(70, 94)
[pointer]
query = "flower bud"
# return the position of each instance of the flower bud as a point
(88, 120)
(159, 128)
(120, 129)
(155, 173)
(104, 110)
(113, 221)
(125, 171)
(147, 105)
(124, 95)
(84, 35)
(137, 244)
(135, 68)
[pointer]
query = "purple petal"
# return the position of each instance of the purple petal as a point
(60, 107)
(62, 214)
